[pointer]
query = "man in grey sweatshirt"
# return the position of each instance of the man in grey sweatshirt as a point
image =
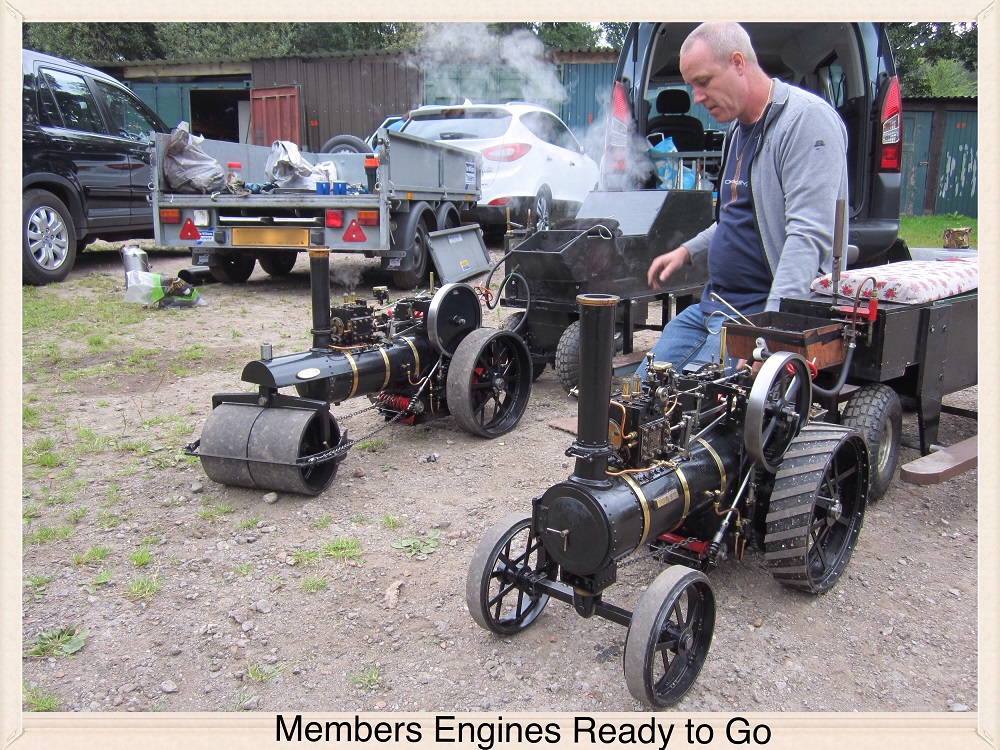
(784, 167)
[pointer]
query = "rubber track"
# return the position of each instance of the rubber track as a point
(790, 509)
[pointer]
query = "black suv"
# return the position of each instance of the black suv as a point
(848, 64)
(85, 163)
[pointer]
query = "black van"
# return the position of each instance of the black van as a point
(848, 64)
(85, 163)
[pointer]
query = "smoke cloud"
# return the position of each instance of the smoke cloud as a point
(470, 46)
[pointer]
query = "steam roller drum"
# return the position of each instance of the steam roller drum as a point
(273, 438)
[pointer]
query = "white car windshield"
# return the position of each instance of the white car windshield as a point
(456, 124)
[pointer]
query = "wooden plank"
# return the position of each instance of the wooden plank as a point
(942, 465)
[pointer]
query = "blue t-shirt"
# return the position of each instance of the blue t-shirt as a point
(737, 269)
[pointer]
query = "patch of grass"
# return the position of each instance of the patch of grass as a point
(47, 534)
(140, 557)
(77, 515)
(30, 511)
(242, 697)
(215, 511)
(306, 556)
(312, 584)
(249, 522)
(264, 672)
(30, 416)
(193, 352)
(359, 519)
(927, 231)
(143, 587)
(97, 343)
(92, 555)
(236, 335)
(242, 569)
(136, 447)
(180, 372)
(322, 522)
(36, 699)
(108, 520)
(150, 540)
(420, 545)
(342, 549)
(87, 441)
(141, 359)
(390, 521)
(370, 445)
(112, 494)
(369, 679)
(57, 642)
(102, 578)
(103, 403)
(36, 585)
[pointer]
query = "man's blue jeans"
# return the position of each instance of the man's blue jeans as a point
(688, 337)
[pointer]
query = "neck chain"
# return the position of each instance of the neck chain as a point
(743, 143)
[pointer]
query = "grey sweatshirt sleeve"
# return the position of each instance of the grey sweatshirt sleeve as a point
(811, 169)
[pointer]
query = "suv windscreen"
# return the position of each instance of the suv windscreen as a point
(453, 124)
(550, 129)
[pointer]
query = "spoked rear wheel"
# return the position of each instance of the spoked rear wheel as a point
(817, 507)
(495, 601)
(669, 637)
(489, 382)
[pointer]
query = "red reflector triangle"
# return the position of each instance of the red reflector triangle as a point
(354, 233)
(189, 231)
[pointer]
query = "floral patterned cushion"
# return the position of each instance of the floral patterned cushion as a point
(910, 281)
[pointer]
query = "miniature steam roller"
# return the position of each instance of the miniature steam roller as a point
(425, 356)
(689, 466)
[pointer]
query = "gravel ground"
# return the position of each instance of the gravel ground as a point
(250, 613)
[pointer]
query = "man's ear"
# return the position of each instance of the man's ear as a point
(738, 61)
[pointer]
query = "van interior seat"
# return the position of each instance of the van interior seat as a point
(673, 121)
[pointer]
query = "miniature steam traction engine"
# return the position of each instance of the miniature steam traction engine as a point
(695, 465)
(424, 356)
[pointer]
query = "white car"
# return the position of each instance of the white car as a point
(531, 160)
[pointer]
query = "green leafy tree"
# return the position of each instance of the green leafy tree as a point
(919, 47)
(94, 42)
(614, 32)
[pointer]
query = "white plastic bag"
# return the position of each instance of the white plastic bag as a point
(287, 167)
(149, 288)
(187, 168)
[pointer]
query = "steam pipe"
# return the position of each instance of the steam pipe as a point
(838, 246)
(597, 332)
(319, 277)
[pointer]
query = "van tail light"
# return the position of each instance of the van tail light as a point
(891, 145)
(170, 216)
(334, 218)
(616, 138)
(368, 218)
(506, 151)
(499, 201)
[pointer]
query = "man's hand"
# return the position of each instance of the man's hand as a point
(664, 265)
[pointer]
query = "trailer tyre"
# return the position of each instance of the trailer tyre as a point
(278, 262)
(345, 144)
(48, 239)
(874, 411)
(568, 357)
(421, 253)
(234, 268)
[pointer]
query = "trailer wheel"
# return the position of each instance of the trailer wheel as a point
(421, 253)
(278, 262)
(234, 268)
(568, 357)
(489, 382)
(511, 323)
(49, 244)
(345, 144)
(669, 636)
(817, 507)
(496, 603)
(874, 411)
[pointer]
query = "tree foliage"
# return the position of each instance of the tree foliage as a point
(931, 57)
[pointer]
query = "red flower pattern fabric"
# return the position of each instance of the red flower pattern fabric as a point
(909, 282)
